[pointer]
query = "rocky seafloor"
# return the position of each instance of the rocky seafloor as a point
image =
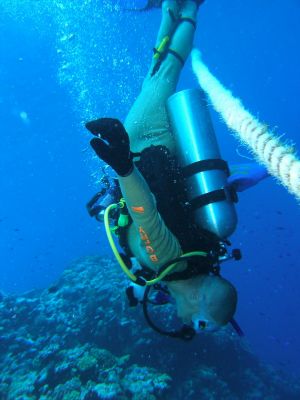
(78, 340)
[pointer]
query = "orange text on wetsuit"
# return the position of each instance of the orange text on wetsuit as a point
(149, 249)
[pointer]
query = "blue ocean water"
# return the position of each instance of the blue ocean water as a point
(65, 62)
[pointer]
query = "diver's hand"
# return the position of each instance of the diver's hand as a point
(112, 144)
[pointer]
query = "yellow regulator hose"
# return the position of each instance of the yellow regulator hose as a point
(112, 243)
(124, 267)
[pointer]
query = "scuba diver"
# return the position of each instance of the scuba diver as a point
(178, 236)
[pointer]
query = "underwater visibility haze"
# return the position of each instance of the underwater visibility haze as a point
(66, 331)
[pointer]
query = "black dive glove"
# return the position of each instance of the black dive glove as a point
(112, 144)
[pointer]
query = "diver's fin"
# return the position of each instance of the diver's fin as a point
(244, 176)
(157, 4)
(150, 4)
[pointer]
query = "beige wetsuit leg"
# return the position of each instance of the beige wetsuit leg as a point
(147, 122)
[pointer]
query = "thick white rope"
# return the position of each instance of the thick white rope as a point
(279, 158)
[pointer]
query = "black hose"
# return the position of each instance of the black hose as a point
(186, 332)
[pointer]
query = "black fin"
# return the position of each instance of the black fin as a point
(150, 4)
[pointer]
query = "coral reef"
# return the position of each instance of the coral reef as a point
(78, 340)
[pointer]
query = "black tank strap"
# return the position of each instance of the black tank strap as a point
(227, 193)
(206, 165)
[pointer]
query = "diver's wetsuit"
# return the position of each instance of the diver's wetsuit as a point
(148, 238)
(150, 241)
(147, 122)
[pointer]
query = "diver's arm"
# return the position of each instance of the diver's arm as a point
(156, 244)
(153, 243)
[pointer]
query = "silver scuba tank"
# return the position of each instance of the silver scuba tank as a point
(205, 172)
